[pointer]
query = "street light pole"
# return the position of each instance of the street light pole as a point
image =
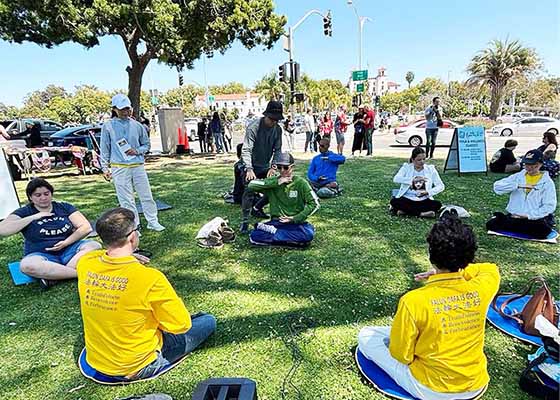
(361, 21)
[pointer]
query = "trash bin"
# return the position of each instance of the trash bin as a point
(171, 125)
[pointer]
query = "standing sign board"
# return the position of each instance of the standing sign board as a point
(8, 196)
(467, 152)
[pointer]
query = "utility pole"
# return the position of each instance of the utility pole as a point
(361, 22)
(290, 48)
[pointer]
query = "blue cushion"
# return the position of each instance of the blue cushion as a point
(510, 326)
(380, 379)
(91, 373)
(552, 238)
(19, 277)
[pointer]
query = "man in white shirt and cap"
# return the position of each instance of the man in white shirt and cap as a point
(124, 142)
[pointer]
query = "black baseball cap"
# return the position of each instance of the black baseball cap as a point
(274, 110)
(532, 157)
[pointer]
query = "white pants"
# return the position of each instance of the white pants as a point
(127, 180)
(373, 342)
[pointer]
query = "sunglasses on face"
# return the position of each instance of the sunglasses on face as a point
(132, 231)
(284, 167)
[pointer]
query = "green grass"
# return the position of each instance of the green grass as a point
(269, 302)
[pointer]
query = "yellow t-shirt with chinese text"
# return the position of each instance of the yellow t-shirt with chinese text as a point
(532, 180)
(125, 306)
(438, 330)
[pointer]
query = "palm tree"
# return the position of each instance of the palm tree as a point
(409, 77)
(269, 87)
(496, 65)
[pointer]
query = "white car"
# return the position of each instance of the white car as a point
(414, 134)
(532, 126)
(513, 117)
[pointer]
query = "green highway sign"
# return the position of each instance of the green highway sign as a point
(360, 75)
(211, 98)
(155, 101)
(360, 87)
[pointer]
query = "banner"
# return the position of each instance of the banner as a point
(8, 196)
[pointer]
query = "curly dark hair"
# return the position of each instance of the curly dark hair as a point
(35, 184)
(452, 244)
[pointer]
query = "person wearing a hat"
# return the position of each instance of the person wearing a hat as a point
(532, 200)
(359, 142)
(292, 201)
(261, 147)
(124, 142)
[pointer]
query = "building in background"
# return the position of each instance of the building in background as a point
(248, 103)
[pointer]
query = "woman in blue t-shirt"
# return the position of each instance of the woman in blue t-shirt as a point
(53, 234)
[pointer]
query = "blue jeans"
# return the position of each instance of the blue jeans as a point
(431, 136)
(63, 256)
(369, 141)
(296, 235)
(218, 140)
(176, 346)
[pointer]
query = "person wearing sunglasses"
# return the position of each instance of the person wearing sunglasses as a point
(135, 325)
(322, 171)
(292, 201)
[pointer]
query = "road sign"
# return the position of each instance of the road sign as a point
(155, 101)
(360, 75)
(211, 98)
(360, 87)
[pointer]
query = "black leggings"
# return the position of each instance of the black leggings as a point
(415, 208)
(535, 228)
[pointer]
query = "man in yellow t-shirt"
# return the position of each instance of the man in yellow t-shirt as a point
(434, 349)
(134, 322)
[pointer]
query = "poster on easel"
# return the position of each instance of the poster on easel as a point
(467, 152)
(9, 200)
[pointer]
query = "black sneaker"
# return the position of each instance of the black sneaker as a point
(47, 283)
(259, 213)
(244, 228)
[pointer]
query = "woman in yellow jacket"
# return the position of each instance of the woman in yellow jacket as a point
(434, 349)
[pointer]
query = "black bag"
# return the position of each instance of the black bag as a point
(533, 382)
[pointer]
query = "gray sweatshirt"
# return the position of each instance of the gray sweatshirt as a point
(260, 145)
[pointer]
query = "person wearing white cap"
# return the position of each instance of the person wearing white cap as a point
(124, 142)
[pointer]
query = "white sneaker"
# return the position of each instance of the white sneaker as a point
(266, 228)
(156, 227)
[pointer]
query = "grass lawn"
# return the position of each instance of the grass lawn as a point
(272, 305)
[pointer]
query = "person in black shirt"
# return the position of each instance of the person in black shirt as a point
(201, 132)
(504, 160)
(359, 142)
(34, 132)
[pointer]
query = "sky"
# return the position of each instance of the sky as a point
(431, 38)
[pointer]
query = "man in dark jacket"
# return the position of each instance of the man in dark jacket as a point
(201, 133)
(261, 146)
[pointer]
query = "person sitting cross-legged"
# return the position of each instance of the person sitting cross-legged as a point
(322, 171)
(291, 201)
(532, 200)
(435, 348)
(135, 325)
(419, 183)
(54, 235)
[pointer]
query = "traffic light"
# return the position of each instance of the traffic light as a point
(181, 80)
(295, 71)
(283, 73)
(327, 24)
(299, 97)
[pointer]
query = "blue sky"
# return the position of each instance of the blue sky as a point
(430, 38)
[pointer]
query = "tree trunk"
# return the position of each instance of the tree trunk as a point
(495, 101)
(135, 74)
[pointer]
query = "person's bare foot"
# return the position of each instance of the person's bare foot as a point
(428, 214)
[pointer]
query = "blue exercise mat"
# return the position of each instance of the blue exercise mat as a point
(19, 277)
(552, 238)
(380, 379)
(510, 326)
(91, 373)
(161, 206)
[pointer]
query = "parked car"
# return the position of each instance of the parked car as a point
(16, 128)
(532, 126)
(75, 136)
(513, 117)
(191, 125)
(414, 134)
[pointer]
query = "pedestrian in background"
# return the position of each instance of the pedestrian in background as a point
(201, 133)
(227, 134)
(289, 132)
(326, 126)
(434, 120)
(340, 125)
(369, 126)
(215, 128)
(309, 122)
(124, 142)
(359, 131)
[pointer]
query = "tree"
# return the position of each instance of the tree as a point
(173, 32)
(270, 88)
(409, 77)
(496, 65)
(228, 88)
(35, 102)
